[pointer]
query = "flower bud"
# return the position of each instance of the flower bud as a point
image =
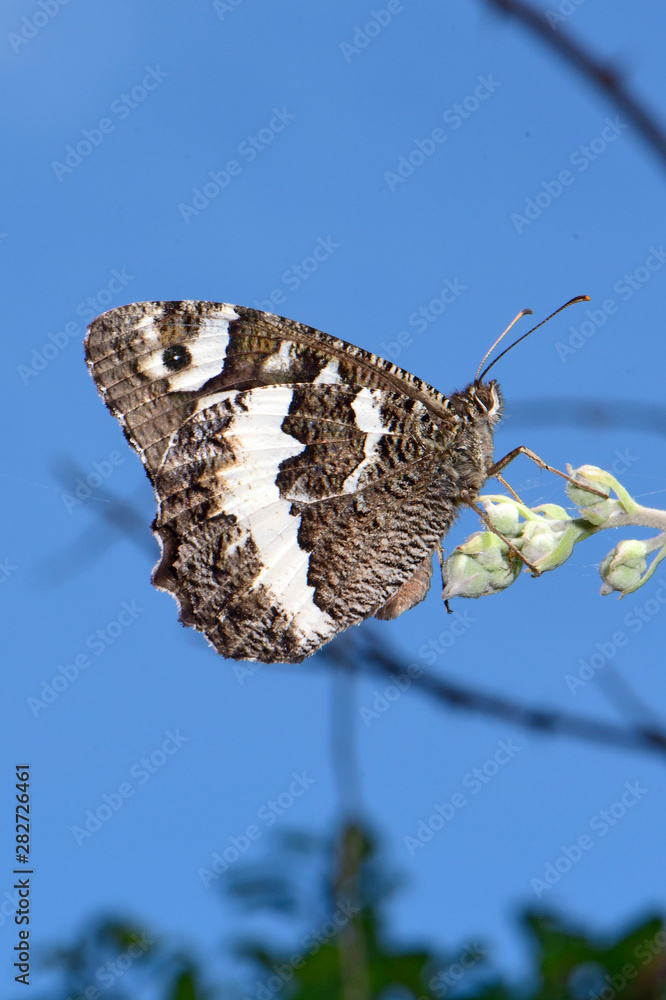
(624, 566)
(479, 567)
(588, 476)
(547, 542)
(599, 513)
(505, 516)
(552, 511)
(541, 541)
(595, 508)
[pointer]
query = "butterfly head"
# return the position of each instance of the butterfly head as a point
(478, 407)
(482, 402)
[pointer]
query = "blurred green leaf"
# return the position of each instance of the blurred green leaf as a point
(348, 951)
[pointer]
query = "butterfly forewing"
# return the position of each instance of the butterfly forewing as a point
(298, 478)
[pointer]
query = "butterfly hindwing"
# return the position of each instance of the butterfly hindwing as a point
(296, 475)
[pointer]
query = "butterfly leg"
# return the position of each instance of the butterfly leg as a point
(506, 486)
(412, 592)
(440, 555)
(516, 553)
(522, 450)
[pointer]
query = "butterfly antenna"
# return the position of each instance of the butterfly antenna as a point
(525, 312)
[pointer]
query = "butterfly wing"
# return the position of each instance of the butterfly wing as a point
(297, 476)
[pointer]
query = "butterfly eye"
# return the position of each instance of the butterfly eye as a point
(496, 398)
(176, 357)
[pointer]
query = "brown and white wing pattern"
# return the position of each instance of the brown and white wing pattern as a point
(297, 477)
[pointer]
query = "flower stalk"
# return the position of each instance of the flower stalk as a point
(545, 537)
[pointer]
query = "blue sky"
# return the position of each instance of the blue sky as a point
(119, 114)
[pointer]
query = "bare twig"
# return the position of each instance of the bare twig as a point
(371, 656)
(605, 77)
(364, 649)
(632, 414)
(114, 516)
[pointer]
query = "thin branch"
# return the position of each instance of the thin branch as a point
(344, 753)
(364, 649)
(630, 414)
(115, 518)
(371, 656)
(351, 940)
(607, 79)
(618, 692)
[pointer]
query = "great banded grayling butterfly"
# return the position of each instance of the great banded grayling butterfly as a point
(302, 484)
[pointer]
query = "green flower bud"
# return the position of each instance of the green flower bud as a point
(505, 516)
(592, 506)
(548, 541)
(541, 540)
(588, 476)
(598, 513)
(624, 566)
(479, 567)
(552, 511)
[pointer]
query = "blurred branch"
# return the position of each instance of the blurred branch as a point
(632, 414)
(364, 650)
(605, 77)
(618, 692)
(351, 939)
(343, 745)
(370, 655)
(115, 518)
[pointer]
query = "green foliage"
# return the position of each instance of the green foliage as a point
(347, 952)
(186, 985)
(490, 561)
(571, 964)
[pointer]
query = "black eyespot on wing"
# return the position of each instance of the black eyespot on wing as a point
(176, 357)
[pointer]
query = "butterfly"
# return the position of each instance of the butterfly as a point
(302, 483)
